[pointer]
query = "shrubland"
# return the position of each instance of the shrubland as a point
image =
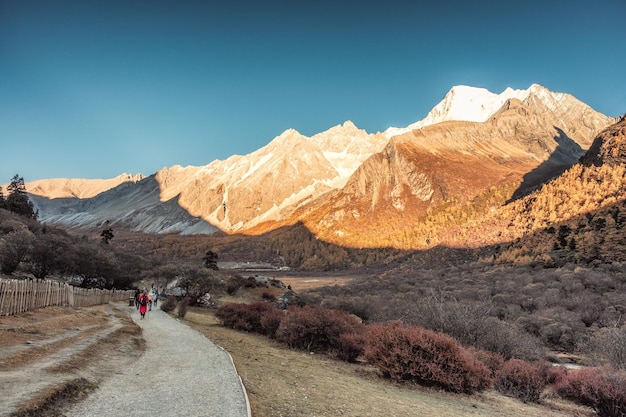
(412, 354)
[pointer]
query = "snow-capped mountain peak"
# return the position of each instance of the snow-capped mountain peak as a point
(465, 103)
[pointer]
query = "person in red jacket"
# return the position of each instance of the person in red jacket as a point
(143, 303)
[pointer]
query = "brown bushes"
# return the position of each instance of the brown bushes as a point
(400, 353)
(602, 389)
(246, 317)
(523, 380)
(426, 357)
(316, 329)
(517, 312)
(411, 353)
(169, 304)
(183, 306)
(312, 329)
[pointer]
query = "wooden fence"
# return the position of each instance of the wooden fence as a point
(17, 296)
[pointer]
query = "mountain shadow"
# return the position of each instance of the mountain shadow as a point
(135, 206)
(564, 156)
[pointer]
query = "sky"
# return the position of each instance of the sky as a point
(94, 89)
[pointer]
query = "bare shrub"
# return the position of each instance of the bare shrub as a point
(270, 321)
(14, 248)
(523, 380)
(246, 317)
(350, 346)
(268, 296)
(234, 283)
(608, 346)
(169, 304)
(602, 389)
(472, 324)
(508, 340)
(195, 282)
(493, 361)
(182, 307)
(429, 358)
(316, 329)
(354, 305)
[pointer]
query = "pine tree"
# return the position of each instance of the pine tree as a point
(17, 201)
(210, 260)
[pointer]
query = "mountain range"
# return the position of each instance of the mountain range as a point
(399, 188)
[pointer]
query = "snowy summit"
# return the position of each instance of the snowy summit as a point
(464, 103)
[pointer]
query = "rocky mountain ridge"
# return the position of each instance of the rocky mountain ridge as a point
(346, 181)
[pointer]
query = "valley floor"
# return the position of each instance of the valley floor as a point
(279, 381)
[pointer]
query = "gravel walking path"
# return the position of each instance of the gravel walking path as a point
(181, 373)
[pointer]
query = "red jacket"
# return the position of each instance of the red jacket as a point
(143, 308)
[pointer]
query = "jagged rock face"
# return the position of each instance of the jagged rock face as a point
(452, 161)
(254, 189)
(271, 183)
(609, 147)
(579, 121)
(396, 188)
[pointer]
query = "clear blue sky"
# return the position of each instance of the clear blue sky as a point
(92, 89)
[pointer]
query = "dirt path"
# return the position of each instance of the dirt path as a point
(181, 373)
(61, 361)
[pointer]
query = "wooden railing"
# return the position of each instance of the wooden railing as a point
(17, 296)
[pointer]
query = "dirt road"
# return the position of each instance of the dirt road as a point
(96, 361)
(181, 373)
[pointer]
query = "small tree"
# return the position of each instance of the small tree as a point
(13, 249)
(196, 282)
(46, 255)
(17, 201)
(106, 235)
(210, 260)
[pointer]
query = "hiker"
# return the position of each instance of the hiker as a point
(150, 298)
(154, 296)
(137, 294)
(143, 303)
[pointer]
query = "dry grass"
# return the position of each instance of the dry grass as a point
(303, 283)
(282, 382)
(55, 356)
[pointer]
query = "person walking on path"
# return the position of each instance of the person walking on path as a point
(194, 377)
(143, 304)
(150, 299)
